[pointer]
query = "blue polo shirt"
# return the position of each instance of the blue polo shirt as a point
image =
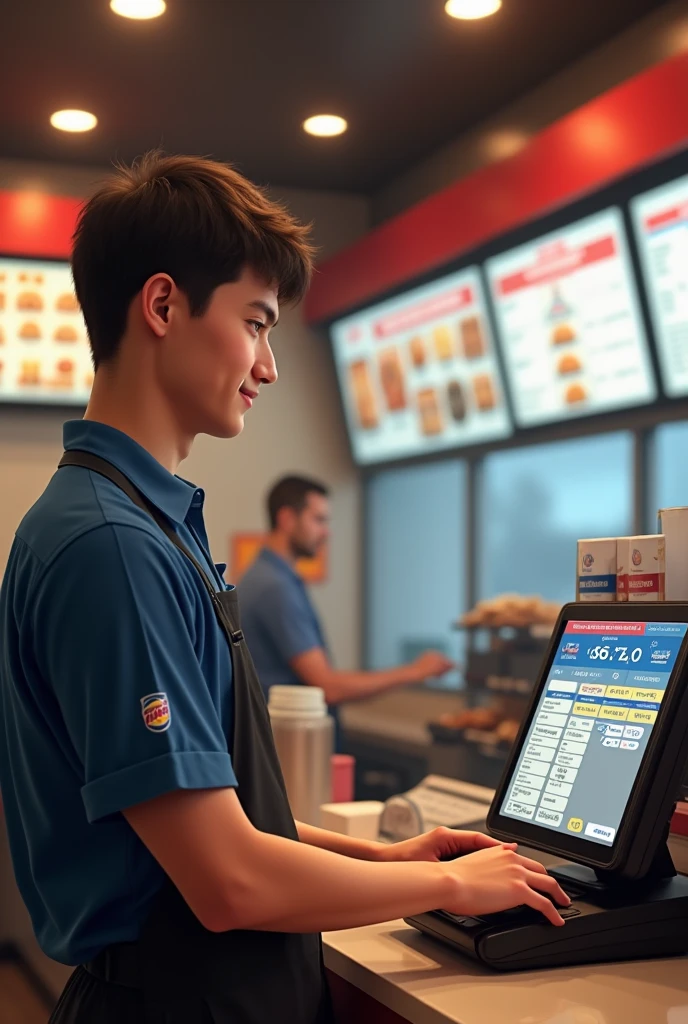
(278, 619)
(115, 688)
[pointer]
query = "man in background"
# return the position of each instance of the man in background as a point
(281, 626)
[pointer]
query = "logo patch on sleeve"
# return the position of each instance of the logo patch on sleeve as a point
(155, 709)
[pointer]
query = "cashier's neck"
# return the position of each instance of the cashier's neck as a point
(122, 397)
(281, 545)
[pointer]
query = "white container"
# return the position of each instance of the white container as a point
(596, 569)
(673, 523)
(642, 561)
(359, 819)
(304, 738)
(622, 555)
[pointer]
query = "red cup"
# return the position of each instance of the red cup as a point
(342, 778)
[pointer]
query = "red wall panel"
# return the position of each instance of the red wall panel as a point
(619, 131)
(36, 224)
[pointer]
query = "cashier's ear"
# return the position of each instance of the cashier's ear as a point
(159, 295)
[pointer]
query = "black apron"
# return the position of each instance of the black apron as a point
(178, 972)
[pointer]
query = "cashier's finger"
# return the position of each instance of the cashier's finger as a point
(532, 865)
(537, 902)
(545, 883)
(471, 841)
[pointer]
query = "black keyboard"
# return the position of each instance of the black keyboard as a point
(516, 915)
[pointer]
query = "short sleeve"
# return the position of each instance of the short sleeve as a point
(289, 621)
(114, 635)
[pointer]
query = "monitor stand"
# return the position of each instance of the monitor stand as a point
(610, 919)
(599, 882)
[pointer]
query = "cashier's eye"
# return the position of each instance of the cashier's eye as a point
(256, 327)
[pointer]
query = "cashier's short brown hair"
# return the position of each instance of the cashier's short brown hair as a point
(292, 492)
(198, 221)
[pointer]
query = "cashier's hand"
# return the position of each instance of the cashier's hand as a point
(492, 875)
(440, 844)
(430, 665)
(499, 879)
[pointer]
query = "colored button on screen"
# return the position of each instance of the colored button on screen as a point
(638, 715)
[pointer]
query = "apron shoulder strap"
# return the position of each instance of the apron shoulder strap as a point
(87, 460)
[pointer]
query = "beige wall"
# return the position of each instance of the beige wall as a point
(297, 425)
(662, 34)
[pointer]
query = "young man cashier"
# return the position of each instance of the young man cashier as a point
(151, 836)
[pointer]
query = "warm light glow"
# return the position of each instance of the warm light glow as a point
(140, 10)
(30, 208)
(325, 125)
(73, 120)
(471, 10)
(506, 142)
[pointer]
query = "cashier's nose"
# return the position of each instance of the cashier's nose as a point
(265, 368)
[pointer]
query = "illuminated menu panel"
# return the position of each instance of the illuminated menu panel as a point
(593, 722)
(661, 224)
(570, 324)
(418, 373)
(44, 352)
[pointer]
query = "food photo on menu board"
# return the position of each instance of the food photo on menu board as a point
(660, 218)
(570, 325)
(44, 352)
(418, 373)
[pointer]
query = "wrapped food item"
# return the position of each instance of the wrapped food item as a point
(507, 731)
(514, 610)
(485, 719)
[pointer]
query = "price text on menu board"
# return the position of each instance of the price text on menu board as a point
(44, 352)
(661, 225)
(570, 324)
(418, 373)
(593, 721)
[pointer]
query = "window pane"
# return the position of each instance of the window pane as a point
(536, 502)
(416, 571)
(670, 469)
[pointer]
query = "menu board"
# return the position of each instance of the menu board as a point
(661, 224)
(418, 373)
(570, 324)
(44, 352)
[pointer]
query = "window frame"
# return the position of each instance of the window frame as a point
(642, 424)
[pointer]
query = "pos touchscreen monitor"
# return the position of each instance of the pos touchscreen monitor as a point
(596, 769)
(593, 778)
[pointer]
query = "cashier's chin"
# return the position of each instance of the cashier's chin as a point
(226, 427)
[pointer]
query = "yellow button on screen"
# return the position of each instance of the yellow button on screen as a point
(575, 825)
(637, 715)
(590, 710)
(618, 714)
(619, 692)
(651, 696)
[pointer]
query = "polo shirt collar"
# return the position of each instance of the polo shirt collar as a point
(169, 493)
(280, 563)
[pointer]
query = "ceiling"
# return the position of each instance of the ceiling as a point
(235, 78)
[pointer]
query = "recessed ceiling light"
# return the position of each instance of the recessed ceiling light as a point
(140, 10)
(73, 120)
(325, 124)
(471, 10)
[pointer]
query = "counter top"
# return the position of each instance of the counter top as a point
(427, 983)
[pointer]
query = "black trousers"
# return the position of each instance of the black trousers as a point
(90, 1000)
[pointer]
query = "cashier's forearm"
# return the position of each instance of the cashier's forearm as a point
(295, 887)
(313, 668)
(343, 686)
(359, 849)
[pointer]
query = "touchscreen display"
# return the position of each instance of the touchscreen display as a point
(591, 727)
(44, 352)
(570, 323)
(419, 373)
(661, 224)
